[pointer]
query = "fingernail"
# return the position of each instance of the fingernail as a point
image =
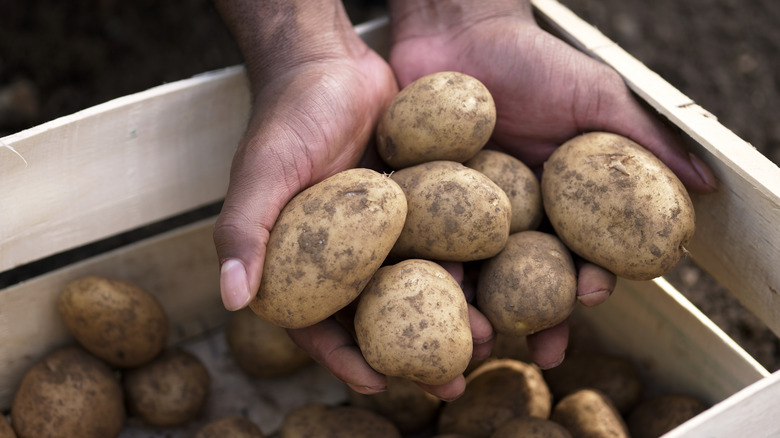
(554, 364)
(368, 390)
(234, 285)
(594, 298)
(703, 171)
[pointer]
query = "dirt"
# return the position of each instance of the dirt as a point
(60, 57)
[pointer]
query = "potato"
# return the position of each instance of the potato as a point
(326, 244)
(531, 427)
(441, 116)
(323, 421)
(497, 391)
(412, 321)
(404, 403)
(455, 213)
(662, 413)
(115, 320)
(531, 285)
(519, 183)
(616, 205)
(69, 393)
(230, 427)
(169, 391)
(617, 377)
(589, 413)
(262, 349)
(5, 428)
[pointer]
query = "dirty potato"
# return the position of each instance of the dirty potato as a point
(412, 321)
(169, 391)
(69, 393)
(404, 403)
(262, 349)
(615, 376)
(531, 427)
(441, 116)
(324, 421)
(326, 244)
(518, 182)
(115, 320)
(657, 415)
(589, 413)
(531, 285)
(616, 205)
(230, 427)
(455, 213)
(496, 391)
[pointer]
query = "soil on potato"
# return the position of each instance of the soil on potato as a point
(60, 57)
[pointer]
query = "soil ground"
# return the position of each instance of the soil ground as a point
(59, 57)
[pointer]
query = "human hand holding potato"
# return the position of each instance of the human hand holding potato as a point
(545, 93)
(317, 94)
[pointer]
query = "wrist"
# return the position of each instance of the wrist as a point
(412, 18)
(276, 36)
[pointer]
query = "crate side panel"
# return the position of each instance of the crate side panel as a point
(179, 267)
(674, 344)
(119, 165)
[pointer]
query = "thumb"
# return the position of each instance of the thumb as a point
(262, 181)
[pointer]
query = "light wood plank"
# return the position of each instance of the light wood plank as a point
(737, 239)
(677, 347)
(752, 412)
(119, 165)
(179, 267)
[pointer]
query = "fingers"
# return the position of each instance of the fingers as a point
(259, 188)
(594, 284)
(618, 110)
(448, 391)
(548, 347)
(333, 347)
(481, 333)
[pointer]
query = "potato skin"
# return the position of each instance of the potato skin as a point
(442, 116)
(69, 393)
(496, 391)
(324, 421)
(412, 321)
(531, 285)
(455, 213)
(230, 427)
(169, 391)
(326, 244)
(262, 349)
(616, 205)
(617, 377)
(404, 403)
(531, 427)
(660, 414)
(518, 182)
(589, 413)
(115, 320)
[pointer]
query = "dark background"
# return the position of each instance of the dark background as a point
(58, 57)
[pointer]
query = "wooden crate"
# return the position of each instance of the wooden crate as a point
(150, 156)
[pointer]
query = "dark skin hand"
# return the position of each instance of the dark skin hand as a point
(318, 92)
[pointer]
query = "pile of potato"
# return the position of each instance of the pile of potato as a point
(119, 367)
(376, 241)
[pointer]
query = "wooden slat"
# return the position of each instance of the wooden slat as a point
(677, 347)
(737, 239)
(752, 412)
(119, 165)
(180, 268)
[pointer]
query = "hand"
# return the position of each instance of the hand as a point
(316, 101)
(545, 92)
